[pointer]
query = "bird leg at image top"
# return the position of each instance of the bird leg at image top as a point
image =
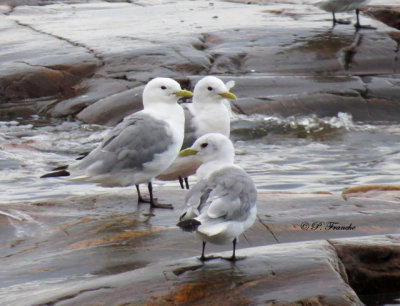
(187, 183)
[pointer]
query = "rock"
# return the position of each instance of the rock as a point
(29, 73)
(310, 68)
(114, 108)
(92, 90)
(372, 266)
(104, 235)
(383, 192)
(389, 15)
(277, 275)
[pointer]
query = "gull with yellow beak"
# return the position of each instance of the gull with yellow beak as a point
(208, 113)
(222, 205)
(139, 148)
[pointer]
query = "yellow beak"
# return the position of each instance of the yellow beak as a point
(184, 93)
(187, 152)
(228, 95)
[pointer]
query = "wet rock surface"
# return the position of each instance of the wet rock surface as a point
(289, 56)
(105, 248)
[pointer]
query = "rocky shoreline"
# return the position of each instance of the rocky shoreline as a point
(89, 60)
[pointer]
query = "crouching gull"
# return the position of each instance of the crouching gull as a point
(139, 148)
(209, 113)
(334, 6)
(222, 205)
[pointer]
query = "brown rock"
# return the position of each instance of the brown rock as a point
(389, 15)
(385, 192)
(372, 265)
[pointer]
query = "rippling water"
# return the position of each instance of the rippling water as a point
(299, 154)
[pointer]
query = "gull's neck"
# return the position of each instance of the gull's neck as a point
(211, 117)
(204, 171)
(166, 111)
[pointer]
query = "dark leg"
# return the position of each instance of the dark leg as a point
(234, 250)
(187, 182)
(202, 257)
(358, 19)
(140, 199)
(339, 21)
(153, 202)
(181, 182)
(359, 26)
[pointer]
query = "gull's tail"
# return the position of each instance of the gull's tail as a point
(189, 225)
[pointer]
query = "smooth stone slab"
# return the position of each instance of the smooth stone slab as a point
(76, 239)
(282, 274)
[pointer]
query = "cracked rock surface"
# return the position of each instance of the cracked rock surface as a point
(103, 248)
(65, 57)
(89, 60)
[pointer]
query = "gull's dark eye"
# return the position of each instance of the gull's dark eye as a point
(163, 87)
(204, 145)
(210, 88)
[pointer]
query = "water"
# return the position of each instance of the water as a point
(299, 154)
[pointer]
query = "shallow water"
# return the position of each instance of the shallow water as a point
(301, 154)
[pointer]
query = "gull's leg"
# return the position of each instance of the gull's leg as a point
(339, 21)
(233, 258)
(153, 202)
(181, 182)
(187, 183)
(358, 24)
(140, 199)
(202, 257)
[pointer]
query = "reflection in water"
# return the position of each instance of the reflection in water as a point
(325, 44)
(346, 55)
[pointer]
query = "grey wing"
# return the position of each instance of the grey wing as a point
(232, 194)
(190, 130)
(130, 144)
(194, 200)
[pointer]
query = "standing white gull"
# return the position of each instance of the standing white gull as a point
(142, 146)
(208, 113)
(334, 6)
(222, 205)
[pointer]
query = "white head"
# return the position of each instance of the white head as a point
(211, 147)
(211, 90)
(164, 90)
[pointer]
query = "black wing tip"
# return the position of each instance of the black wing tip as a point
(65, 167)
(189, 225)
(82, 155)
(56, 174)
